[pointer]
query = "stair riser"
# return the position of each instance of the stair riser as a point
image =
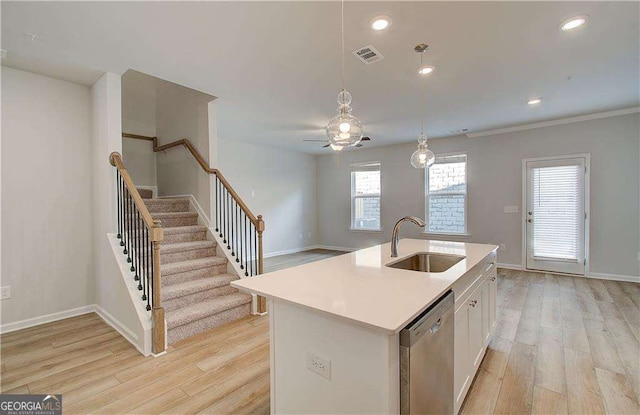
(185, 237)
(190, 299)
(165, 207)
(168, 258)
(173, 222)
(181, 332)
(193, 275)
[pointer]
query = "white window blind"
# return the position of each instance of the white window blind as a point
(365, 196)
(557, 217)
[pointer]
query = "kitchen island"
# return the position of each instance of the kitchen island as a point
(335, 324)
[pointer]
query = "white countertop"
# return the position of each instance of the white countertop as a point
(357, 286)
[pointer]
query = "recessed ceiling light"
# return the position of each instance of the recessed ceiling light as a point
(534, 101)
(574, 22)
(380, 22)
(426, 69)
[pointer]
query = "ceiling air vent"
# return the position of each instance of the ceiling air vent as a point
(368, 54)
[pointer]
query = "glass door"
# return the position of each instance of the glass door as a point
(555, 216)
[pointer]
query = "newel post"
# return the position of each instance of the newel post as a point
(262, 302)
(157, 312)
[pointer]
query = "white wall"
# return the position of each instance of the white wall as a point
(111, 293)
(183, 113)
(139, 117)
(46, 203)
(495, 180)
(284, 183)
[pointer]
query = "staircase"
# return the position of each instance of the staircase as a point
(196, 294)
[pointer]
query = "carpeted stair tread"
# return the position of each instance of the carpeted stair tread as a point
(164, 215)
(184, 229)
(191, 287)
(193, 264)
(185, 246)
(167, 205)
(204, 309)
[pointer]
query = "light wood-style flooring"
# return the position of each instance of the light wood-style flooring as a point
(299, 258)
(563, 345)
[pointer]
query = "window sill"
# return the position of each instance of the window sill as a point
(448, 235)
(365, 230)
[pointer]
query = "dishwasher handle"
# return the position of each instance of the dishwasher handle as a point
(428, 321)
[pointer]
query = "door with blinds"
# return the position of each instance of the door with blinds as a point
(555, 215)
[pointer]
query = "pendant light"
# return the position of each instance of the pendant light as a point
(422, 158)
(344, 130)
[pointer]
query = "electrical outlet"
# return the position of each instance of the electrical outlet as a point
(511, 209)
(253, 193)
(319, 365)
(5, 292)
(503, 247)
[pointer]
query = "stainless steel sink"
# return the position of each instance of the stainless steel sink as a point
(427, 262)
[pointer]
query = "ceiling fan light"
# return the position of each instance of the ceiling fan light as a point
(335, 147)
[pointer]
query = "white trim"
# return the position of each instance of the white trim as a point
(289, 251)
(335, 248)
(614, 277)
(47, 318)
(593, 275)
(516, 267)
(559, 121)
(587, 205)
(365, 230)
(124, 331)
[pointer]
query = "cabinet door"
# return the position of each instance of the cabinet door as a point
(476, 329)
(485, 304)
(461, 364)
(493, 301)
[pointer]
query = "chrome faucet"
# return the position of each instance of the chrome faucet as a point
(394, 236)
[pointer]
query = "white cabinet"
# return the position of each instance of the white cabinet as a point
(475, 318)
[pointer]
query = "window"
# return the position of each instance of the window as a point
(446, 190)
(365, 196)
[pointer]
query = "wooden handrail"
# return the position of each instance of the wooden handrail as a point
(155, 230)
(256, 220)
(156, 236)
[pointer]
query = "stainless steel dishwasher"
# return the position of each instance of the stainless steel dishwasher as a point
(426, 361)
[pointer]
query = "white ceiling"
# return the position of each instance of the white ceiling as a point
(275, 66)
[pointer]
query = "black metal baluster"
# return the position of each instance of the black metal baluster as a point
(128, 222)
(246, 251)
(219, 205)
(148, 257)
(216, 184)
(121, 207)
(224, 217)
(229, 201)
(233, 226)
(240, 221)
(138, 249)
(119, 196)
(143, 260)
(153, 254)
(134, 242)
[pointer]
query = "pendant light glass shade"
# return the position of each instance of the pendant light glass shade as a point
(422, 158)
(344, 130)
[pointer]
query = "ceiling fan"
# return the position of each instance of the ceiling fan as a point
(327, 141)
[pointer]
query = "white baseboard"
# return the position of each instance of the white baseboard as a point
(510, 266)
(614, 277)
(335, 248)
(124, 331)
(594, 275)
(47, 318)
(289, 251)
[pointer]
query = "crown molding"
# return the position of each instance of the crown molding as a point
(551, 123)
